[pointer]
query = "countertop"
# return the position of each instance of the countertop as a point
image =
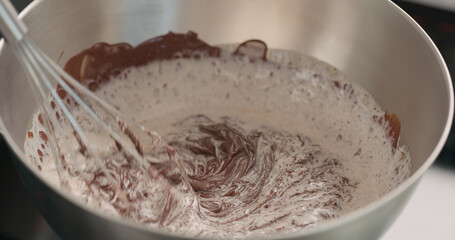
(430, 213)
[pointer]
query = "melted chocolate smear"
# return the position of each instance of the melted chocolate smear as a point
(102, 61)
(230, 171)
(393, 128)
(221, 160)
(392, 124)
(253, 48)
(235, 158)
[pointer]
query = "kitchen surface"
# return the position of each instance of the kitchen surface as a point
(428, 215)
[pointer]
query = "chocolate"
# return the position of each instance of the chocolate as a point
(241, 180)
(96, 65)
(99, 63)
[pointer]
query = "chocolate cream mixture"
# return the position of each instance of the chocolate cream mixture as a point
(259, 142)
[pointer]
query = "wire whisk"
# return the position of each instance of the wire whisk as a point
(132, 141)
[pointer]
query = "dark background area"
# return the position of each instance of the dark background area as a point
(19, 218)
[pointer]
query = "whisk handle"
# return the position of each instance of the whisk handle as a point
(11, 27)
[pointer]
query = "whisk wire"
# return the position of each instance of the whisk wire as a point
(40, 95)
(121, 119)
(44, 75)
(89, 109)
(38, 67)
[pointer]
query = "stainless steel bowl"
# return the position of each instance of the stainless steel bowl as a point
(372, 42)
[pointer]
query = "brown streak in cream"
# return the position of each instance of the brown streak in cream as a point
(238, 151)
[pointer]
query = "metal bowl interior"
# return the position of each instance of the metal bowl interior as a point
(373, 42)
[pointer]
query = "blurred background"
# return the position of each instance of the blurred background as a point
(429, 214)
